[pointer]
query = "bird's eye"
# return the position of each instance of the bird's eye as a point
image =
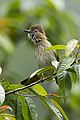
(35, 30)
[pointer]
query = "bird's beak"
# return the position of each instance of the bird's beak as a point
(28, 31)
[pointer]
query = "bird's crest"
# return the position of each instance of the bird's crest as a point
(37, 27)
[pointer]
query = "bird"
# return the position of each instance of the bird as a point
(43, 57)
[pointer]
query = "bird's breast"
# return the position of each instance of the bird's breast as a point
(39, 56)
(44, 57)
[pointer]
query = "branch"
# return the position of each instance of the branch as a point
(31, 95)
(27, 86)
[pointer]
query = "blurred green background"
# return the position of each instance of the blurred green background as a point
(61, 21)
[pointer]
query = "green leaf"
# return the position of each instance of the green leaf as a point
(17, 109)
(32, 109)
(28, 80)
(57, 47)
(77, 70)
(37, 75)
(40, 90)
(42, 70)
(52, 107)
(7, 86)
(2, 94)
(8, 116)
(60, 109)
(24, 108)
(1, 117)
(73, 74)
(65, 64)
(64, 82)
(70, 47)
(47, 102)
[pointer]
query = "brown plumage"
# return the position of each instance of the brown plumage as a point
(42, 56)
(38, 27)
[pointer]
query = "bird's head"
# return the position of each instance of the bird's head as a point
(36, 33)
